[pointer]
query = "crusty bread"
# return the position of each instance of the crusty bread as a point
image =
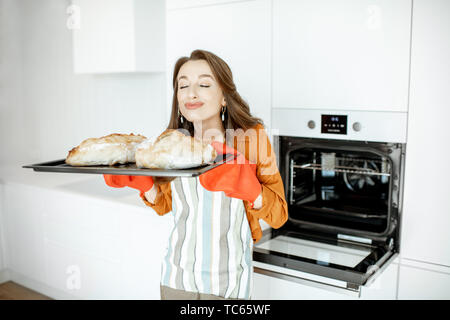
(108, 150)
(174, 150)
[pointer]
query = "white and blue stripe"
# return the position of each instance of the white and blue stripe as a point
(210, 247)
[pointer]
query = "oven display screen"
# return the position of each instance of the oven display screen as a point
(332, 123)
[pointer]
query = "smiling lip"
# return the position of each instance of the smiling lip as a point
(193, 105)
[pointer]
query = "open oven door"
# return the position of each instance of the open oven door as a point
(341, 265)
(344, 204)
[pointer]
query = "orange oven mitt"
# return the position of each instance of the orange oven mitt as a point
(236, 178)
(141, 183)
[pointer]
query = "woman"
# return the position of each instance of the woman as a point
(209, 255)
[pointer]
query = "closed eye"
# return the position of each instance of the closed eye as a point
(203, 86)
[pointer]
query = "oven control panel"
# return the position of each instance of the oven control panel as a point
(332, 123)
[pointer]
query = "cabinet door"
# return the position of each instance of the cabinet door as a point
(416, 282)
(237, 32)
(94, 248)
(426, 209)
(270, 288)
(117, 36)
(24, 243)
(348, 54)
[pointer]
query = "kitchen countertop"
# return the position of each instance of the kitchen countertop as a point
(88, 185)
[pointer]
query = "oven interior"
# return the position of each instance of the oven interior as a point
(341, 189)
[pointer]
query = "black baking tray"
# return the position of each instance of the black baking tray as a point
(129, 169)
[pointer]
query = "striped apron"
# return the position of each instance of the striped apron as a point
(210, 247)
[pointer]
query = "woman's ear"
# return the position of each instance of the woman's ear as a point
(224, 103)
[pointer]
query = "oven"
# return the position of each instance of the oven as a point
(344, 195)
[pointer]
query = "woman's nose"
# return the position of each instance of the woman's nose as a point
(192, 92)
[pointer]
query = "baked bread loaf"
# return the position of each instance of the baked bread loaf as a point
(174, 150)
(108, 150)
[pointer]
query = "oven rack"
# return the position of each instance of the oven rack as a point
(340, 168)
(356, 212)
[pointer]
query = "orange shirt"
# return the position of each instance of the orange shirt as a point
(255, 145)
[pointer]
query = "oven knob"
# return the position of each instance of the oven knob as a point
(357, 126)
(311, 124)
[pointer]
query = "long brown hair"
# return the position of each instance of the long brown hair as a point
(237, 112)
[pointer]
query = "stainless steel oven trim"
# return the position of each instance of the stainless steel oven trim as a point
(380, 269)
(351, 290)
(306, 265)
(397, 167)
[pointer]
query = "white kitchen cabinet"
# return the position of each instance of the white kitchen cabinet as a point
(270, 288)
(182, 4)
(346, 55)
(117, 35)
(72, 244)
(426, 209)
(239, 33)
(423, 281)
(23, 229)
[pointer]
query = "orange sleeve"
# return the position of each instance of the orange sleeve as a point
(274, 207)
(163, 200)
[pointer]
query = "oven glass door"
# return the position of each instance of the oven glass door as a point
(322, 253)
(335, 259)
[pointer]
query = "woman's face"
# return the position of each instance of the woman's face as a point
(199, 95)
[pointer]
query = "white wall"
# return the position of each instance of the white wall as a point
(225, 30)
(45, 110)
(11, 110)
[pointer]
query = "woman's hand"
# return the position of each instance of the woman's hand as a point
(258, 202)
(151, 194)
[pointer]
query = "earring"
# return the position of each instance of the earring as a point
(223, 113)
(180, 116)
